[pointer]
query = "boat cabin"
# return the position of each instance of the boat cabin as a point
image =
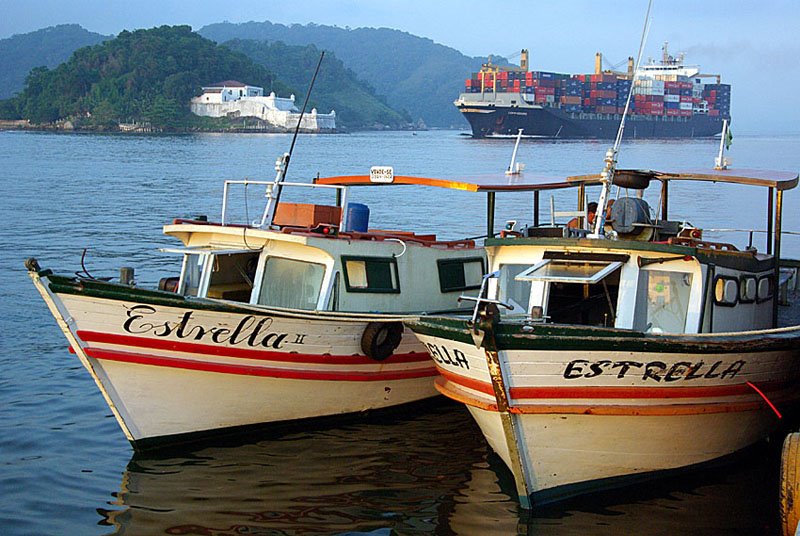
(312, 259)
(645, 272)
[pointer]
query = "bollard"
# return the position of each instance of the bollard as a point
(126, 275)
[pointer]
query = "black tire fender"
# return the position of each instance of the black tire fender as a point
(380, 339)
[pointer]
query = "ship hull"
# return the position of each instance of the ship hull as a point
(497, 121)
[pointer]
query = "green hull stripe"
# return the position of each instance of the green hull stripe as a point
(587, 339)
(114, 291)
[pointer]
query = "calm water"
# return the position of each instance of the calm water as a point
(66, 468)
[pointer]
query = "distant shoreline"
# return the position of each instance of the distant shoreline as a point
(139, 129)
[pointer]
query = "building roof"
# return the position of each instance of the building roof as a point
(228, 83)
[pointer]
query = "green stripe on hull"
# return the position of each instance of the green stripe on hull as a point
(509, 336)
(114, 291)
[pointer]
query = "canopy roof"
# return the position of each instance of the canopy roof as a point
(479, 183)
(780, 180)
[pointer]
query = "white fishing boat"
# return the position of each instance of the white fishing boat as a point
(622, 345)
(601, 354)
(296, 316)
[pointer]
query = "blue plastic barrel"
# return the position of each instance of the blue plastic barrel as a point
(357, 218)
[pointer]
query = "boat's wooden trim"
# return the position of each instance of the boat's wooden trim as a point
(445, 387)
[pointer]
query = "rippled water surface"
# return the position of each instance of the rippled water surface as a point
(66, 468)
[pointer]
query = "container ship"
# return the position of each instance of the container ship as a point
(670, 100)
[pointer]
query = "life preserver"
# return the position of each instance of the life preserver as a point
(380, 339)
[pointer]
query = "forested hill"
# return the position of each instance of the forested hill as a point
(414, 73)
(151, 75)
(146, 75)
(47, 47)
(336, 88)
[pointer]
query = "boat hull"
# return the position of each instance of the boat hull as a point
(594, 408)
(499, 121)
(170, 366)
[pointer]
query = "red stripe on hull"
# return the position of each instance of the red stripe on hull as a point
(243, 353)
(469, 383)
(249, 370)
(522, 394)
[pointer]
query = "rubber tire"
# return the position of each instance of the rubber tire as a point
(790, 484)
(380, 339)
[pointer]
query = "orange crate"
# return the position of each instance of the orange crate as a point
(306, 215)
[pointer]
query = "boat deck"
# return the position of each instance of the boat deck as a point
(789, 315)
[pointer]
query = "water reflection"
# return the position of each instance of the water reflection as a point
(402, 474)
(426, 474)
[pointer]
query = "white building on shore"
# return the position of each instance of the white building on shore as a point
(235, 99)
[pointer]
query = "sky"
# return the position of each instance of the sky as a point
(754, 45)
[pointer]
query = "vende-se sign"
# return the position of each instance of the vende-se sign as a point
(383, 174)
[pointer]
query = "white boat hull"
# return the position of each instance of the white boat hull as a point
(168, 371)
(578, 430)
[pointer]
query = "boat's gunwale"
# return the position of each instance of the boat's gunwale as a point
(64, 284)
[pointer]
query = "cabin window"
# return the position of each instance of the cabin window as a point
(333, 299)
(291, 283)
(569, 271)
(460, 274)
(514, 292)
(190, 273)
(663, 301)
(765, 288)
(371, 274)
(748, 289)
(231, 276)
(726, 291)
(575, 291)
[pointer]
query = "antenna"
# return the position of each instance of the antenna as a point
(515, 168)
(720, 162)
(282, 164)
(607, 175)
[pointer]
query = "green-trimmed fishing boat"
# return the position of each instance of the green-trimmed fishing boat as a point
(296, 316)
(624, 345)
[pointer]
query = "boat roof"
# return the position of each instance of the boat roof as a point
(476, 183)
(780, 180)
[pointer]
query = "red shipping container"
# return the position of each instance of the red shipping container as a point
(713, 113)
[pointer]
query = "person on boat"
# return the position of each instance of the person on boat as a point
(574, 223)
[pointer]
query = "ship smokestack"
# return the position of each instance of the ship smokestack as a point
(630, 66)
(523, 60)
(598, 63)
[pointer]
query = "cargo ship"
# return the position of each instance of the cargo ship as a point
(670, 100)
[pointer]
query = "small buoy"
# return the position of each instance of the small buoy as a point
(790, 484)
